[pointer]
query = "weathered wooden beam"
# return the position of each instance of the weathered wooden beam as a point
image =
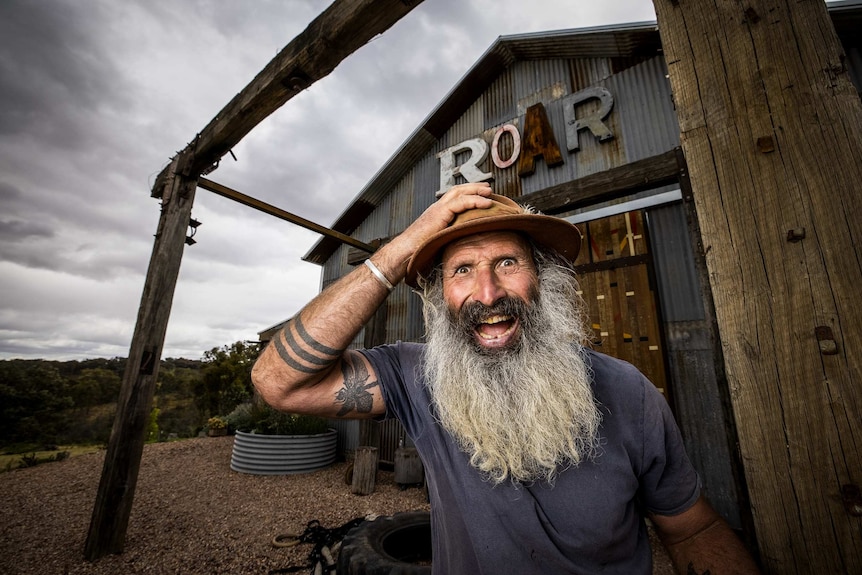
(266, 208)
(340, 30)
(627, 179)
(116, 491)
(771, 127)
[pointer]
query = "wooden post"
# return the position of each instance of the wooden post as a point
(337, 32)
(364, 471)
(113, 505)
(770, 127)
(408, 467)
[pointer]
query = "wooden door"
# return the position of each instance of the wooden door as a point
(614, 270)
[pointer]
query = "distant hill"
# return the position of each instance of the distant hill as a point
(67, 402)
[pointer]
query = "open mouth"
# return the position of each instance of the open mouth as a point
(496, 330)
(493, 328)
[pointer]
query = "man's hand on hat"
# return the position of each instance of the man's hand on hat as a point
(440, 214)
(393, 257)
(465, 197)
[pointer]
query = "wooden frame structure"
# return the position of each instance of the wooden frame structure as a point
(340, 30)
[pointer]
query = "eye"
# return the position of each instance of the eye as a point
(461, 270)
(508, 264)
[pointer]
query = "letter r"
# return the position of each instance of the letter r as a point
(469, 169)
(593, 122)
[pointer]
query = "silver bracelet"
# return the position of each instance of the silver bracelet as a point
(379, 275)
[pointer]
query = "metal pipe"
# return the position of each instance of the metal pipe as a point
(236, 196)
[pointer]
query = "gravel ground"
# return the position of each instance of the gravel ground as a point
(192, 514)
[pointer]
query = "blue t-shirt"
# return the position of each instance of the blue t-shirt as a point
(589, 521)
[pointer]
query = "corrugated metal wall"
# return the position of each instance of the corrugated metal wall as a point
(643, 101)
(680, 290)
(691, 358)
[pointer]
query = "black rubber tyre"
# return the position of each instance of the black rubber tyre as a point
(395, 545)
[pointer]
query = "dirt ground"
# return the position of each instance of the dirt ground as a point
(192, 514)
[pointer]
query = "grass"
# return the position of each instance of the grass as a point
(13, 456)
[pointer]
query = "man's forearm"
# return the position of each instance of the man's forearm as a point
(333, 318)
(716, 550)
(699, 541)
(312, 344)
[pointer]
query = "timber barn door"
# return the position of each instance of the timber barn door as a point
(614, 270)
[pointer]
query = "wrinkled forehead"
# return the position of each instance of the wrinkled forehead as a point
(515, 241)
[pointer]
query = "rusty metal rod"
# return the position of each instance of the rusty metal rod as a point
(236, 196)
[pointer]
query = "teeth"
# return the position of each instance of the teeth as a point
(489, 337)
(494, 320)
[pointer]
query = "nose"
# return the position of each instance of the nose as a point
(488, 288)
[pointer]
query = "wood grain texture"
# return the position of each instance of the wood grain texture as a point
(770, 128)
(116, 492)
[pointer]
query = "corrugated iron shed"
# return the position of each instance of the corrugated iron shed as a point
(638, 40)
(624, 45)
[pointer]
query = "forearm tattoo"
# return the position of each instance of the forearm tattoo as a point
(312, 362)
(307, 355)
(354, 396)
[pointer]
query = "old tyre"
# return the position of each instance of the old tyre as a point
(396, 545)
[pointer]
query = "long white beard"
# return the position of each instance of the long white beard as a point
(523, 414)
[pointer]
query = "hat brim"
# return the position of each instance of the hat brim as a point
(548, 231)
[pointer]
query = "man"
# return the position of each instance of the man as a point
(541, 455)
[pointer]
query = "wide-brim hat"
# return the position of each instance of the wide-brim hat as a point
(504, 215)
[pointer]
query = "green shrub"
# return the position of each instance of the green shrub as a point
(153, 426)
(32, 460)
(242, 418)
(216, 423)
(258, 417)
(180, 417)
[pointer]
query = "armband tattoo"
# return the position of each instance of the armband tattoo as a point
(316, 345)
(317, 363)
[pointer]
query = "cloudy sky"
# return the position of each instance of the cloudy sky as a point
(96, 96)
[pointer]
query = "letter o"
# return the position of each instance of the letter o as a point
(516, 146)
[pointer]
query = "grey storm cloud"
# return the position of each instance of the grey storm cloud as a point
(52, 67)
(96, 96)
(16, 231)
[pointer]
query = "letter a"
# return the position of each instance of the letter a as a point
(538, 140)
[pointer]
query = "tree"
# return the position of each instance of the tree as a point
(226, 380)
(95, 386)
(176, 378)
(32, 398)
(770, 128)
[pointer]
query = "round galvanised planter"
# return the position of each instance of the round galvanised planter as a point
(282, 454)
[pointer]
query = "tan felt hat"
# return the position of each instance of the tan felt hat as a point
(503, 216)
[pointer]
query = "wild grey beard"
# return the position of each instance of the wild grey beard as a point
(528, 411)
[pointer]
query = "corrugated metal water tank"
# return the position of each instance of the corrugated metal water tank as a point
(282, 454)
